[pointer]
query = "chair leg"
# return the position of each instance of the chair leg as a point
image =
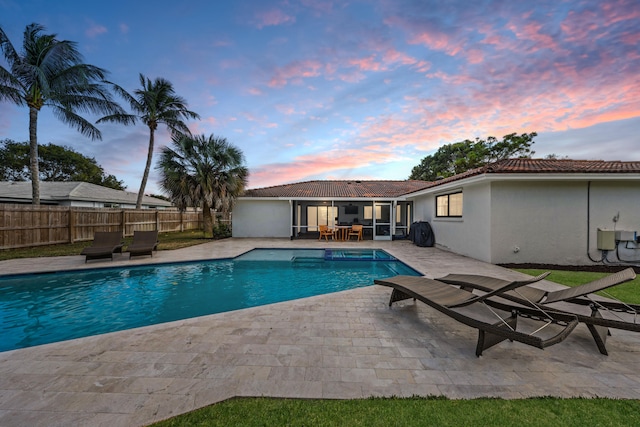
(487, 339)
(599, 333)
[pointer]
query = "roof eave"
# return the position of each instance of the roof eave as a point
(505, 176)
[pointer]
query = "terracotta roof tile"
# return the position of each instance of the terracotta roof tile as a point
(562, 166)
(539, 166)
(334, 189)
(390, 189)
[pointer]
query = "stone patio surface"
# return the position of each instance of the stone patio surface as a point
(344, 345)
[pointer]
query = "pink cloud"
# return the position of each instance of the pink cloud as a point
(318, 164)
(273, 17)
(295, 71)
(95, 30)
(289, 110)
(437, 41)
(367, 64)
(475, 56)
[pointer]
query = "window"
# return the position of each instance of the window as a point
(321, 215)
(449, 205)
(368, 213)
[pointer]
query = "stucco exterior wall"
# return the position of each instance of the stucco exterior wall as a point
(469, 235)
(261, 218)
(549, 223)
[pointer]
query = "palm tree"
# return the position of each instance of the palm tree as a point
(202, 171)
(50, 72)
(154, 104)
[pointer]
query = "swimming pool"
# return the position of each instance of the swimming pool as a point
(43, 308)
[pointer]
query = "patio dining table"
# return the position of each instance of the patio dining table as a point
(342, 231)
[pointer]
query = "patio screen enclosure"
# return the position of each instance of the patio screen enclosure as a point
(381, 220)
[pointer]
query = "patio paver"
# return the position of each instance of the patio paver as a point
(344, 345)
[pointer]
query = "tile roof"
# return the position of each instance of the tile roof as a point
(548, 166)
(390, 189)
(352, 189)
(562, 166)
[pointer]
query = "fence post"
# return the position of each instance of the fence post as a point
(72, 225)
(181, 221)
(123, 222)
(157, 220)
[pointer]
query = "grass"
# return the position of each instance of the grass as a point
(168, 241)
(415, 411)
(394, 411)
(627, 292)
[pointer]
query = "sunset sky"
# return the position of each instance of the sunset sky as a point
(322, 89)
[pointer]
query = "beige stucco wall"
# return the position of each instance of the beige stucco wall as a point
(261, 218)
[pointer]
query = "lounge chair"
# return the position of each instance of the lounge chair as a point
(144, 243)
(449, 299)
(579, 295)
(105, 244)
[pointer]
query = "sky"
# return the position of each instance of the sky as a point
(328, 89)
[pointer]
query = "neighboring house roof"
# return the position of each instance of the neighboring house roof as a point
(68, 191)
(337, 189)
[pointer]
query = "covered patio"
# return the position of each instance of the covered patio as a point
(297, 211)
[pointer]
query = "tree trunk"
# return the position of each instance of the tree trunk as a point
(145, 176)
(207, 220)
(33, 156)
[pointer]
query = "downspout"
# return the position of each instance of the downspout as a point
(589, 225)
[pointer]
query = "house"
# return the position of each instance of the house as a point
(515, 211)
(297, 210)
(76, 194)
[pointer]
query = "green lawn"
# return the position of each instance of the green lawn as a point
(167, 241)
(628, 292)
(540, 412)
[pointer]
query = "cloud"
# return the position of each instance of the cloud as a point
(95, 30)
(336, 162)
(273, 17)
(295, 72)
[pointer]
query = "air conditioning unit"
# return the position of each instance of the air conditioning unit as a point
(606, 239)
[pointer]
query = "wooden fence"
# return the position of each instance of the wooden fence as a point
(28, 225)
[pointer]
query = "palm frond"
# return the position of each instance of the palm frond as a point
(78, 122)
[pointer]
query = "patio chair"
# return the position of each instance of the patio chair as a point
(356, 230)
(144, 243)
(105, 244)
(572, 297)
(449, 300)
(325, 232)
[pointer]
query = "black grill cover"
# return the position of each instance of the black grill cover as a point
(421, 234)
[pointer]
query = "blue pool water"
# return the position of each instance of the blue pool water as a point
(43, 308)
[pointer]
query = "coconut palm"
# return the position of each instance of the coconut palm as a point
(50, 72)
(204, 172)
(156, 103)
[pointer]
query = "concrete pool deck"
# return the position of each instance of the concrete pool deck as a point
(339, 346)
